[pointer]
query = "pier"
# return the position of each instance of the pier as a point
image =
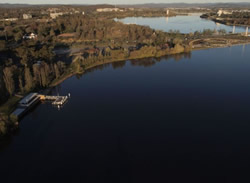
(58, 100)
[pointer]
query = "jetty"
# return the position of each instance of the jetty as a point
(30, 101)
(58, 100)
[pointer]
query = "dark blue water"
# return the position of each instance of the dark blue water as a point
(176, 119)
(185, 24)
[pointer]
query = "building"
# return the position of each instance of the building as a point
(27, 16)
(9, 19)
(66, 35)
(109, 10)
(55, 15)
(220, 12)
(53, 10)
(167, 12)
(30, 36)
(29, 100)
(25, 104)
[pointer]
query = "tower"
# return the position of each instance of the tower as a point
(167, 12)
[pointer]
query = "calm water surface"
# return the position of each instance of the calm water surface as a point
(183, 118)
(185, 24)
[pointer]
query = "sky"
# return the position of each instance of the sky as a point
(114, 1)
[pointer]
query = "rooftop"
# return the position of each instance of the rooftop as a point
(18, 112)
(28, 97)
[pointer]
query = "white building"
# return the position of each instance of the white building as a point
(30, 36)
(9, 19)
(55, 15)
(27, 16)
(167, 12)
(220, 12)
(109, 9)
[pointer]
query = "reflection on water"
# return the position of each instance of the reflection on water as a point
(243, 49)
(145, 62)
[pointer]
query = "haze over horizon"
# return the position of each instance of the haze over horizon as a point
(116, 1)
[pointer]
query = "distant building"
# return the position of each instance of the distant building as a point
(27, 16)
(9, 19)
(67, 35)
(30, 36)
(83, 13)
(38, 63)
(52, 10)
(109, 9)
(220, 12)
(44, 13)
(167, 12)
(55, 15)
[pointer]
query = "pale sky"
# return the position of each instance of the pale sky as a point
(114, 1)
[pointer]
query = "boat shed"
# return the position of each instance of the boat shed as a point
(18, 112)
(29, 99)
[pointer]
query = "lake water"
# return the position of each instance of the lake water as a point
(185, 24)
(178, 119)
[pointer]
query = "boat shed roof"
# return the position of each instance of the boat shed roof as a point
(28, 97)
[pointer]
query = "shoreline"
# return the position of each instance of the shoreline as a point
(118, 60)
(225, 22)
(225, 46)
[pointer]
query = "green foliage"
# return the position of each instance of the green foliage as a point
(9, 79)
(3, 128)
(28, 79)
(2, 45)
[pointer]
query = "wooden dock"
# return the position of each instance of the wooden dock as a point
(58, 100)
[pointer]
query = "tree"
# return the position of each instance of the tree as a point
(9, 80)
(177, 41)
(28, 79)
(3, 96)
(20, 78)
(37, 75)
(2, 45)
(18, 36)
(57, 72)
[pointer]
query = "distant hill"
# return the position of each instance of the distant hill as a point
(148, 5)
(7, 5)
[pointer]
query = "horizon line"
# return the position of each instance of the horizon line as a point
(125, 4)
